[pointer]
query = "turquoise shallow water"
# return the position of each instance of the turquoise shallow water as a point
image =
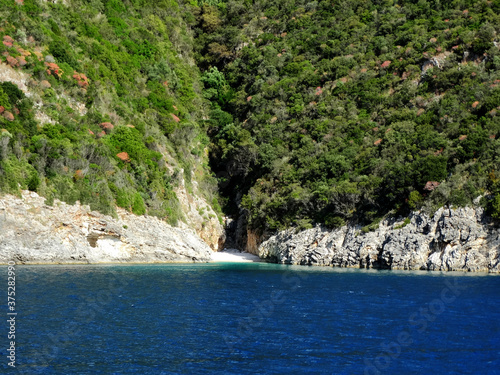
(253, 319)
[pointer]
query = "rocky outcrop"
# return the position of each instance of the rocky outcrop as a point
(200, 216)
(33, 232)
(461, 239)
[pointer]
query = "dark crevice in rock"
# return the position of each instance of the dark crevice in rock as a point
(92, 238)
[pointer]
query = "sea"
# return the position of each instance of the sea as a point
(250, 318)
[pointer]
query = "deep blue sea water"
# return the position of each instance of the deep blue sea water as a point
(252, 319)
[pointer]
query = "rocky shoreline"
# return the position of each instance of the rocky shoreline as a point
(32, 232)
(462, 239)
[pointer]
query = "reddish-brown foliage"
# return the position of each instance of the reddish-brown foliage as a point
(8, 116)
(462, 137)
(431, 185)
(23, 51)
(2, 109)
(439, 152)
(22, 61)
(8, 41)
(475, 104)
(53, 69)
(385, 64)
(81, 79)
(377, 142)
(123, 156)
(107, 125)
(12, 61)
(176, 119)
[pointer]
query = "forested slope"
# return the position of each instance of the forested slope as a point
(327, 111)
(101, 102)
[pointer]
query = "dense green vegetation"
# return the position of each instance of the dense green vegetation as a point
(327, 111)
(312, 111)
(112, 109)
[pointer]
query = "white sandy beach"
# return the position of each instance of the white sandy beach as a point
(233, 255)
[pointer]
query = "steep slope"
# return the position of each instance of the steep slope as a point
(345, 111)
(101, 103)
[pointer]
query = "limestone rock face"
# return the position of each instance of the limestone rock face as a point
(32, 232)
(200, 216)
(460, 239)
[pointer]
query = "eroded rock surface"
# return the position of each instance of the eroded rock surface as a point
(32, 232)
(460, 239)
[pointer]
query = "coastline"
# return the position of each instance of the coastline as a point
(461, 239)
(224, 256)
(34, 233)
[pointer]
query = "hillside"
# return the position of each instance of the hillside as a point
(101, 103)
(305, 112)
(334, 111)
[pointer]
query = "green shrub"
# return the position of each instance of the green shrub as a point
(13, 93)
(62, 52)
(495, 205)
(334, 222)
(138, 206)
(415, 200)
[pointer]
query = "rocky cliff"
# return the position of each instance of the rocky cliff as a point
(33, 232)
(200, 216)
(462, 239)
